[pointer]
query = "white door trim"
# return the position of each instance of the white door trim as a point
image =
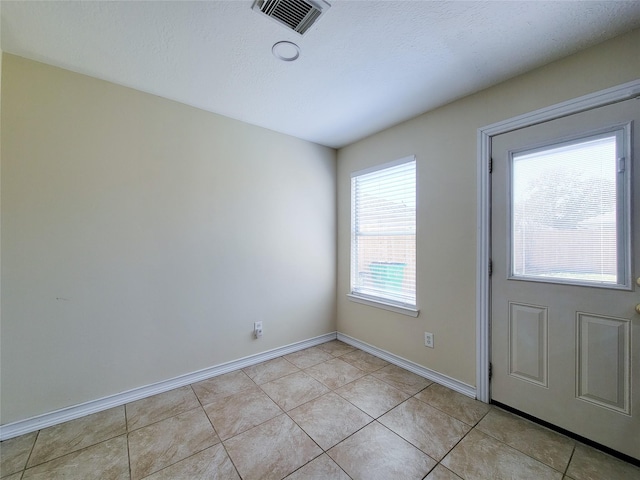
(483, 231)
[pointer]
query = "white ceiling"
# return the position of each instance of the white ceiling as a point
(366, 65)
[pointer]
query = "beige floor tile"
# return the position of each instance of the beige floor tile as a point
(538, 442)
(271, 450)
(210, 464)
(371, 395)
(336, 348)
(329, 419)
(170, 436)
(212, 389)
(236, 413)
(335, 373)
(322, 468)
(164, 443)
(442, 473)
(308, 357)
(294, 390)
(402, 379)
(465, 409)
(14, 453)
(270, 370)
(364, 361)
(590, 464)
(105, 460)
(429, 429)
(375, 453)
(480, 457)
(53, 442)
(15, 476)
(158, 407)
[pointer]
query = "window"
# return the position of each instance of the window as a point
(383, 235)
(569, 221)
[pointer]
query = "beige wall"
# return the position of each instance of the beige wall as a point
(141, 239)
(444, 142)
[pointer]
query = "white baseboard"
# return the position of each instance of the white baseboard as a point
(39, 422)
(432, 375)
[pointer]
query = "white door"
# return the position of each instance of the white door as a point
(565, 336)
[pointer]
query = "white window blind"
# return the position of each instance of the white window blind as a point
(383, 232)
(566, 222)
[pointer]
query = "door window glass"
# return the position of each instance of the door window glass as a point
(568, 212)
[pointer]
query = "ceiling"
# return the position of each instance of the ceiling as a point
(365, 66)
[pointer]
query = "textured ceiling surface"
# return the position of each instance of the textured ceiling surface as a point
(366, 65)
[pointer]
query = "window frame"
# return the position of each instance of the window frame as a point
(622, 132)
(354, 295)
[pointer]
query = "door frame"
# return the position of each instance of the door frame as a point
(483, 230)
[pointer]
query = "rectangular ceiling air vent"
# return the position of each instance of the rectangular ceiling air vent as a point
(298, 15)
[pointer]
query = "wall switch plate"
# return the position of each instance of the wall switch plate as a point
(257, 329)
(428, 339)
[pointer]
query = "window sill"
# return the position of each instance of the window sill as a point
(411, 312)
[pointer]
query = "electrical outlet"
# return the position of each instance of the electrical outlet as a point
(428, 339)
(257, 329)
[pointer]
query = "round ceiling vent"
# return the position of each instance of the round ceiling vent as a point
(286, 51)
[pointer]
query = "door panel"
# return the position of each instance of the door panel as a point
(564, 331)
(528, 325)
(604, 362)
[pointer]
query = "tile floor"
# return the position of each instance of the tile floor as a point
(327, 412)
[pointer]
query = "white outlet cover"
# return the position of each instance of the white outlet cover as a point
(428, 339)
